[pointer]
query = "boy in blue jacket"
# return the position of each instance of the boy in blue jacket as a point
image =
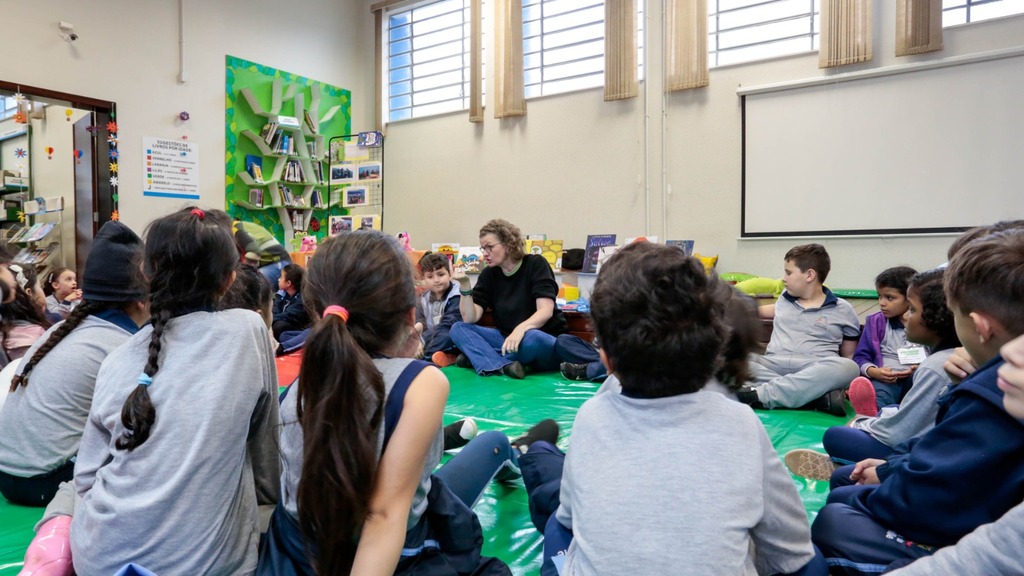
(438, 309)
(964, 472)
(289, 313)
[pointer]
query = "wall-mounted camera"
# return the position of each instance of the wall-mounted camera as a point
(66, 30)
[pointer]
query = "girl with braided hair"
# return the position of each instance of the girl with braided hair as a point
(43, 423)
(183, 418)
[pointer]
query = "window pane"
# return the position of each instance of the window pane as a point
(428, 48)
(964, 11)
(746, 30)
(996, 10)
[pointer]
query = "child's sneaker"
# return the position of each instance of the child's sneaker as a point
(810, 464)
(572, 371)
(459, 433)
(442, 359)
(546, 430)
(862, 396)
(49, 554)
(833, 402)
(462, 361)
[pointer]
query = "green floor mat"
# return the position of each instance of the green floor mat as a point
(500, 403)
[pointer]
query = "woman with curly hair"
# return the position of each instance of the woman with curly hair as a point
(520, 291)
(929, 322)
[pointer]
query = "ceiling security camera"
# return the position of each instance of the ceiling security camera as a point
(66, 30)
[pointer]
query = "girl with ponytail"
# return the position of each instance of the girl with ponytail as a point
(43, 423)
(362, 435)
(182, 422)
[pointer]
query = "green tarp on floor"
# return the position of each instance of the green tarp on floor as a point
(500, 403)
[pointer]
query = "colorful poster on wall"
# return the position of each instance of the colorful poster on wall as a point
(170, 168)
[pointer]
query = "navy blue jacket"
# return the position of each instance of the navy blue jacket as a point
(966, 471)
(289, 314)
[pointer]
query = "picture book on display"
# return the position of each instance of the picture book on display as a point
(594, 244)
(684, 245)
(449, 249)
(471, 259)
(551, 250)
(254, 166)
(652, 239)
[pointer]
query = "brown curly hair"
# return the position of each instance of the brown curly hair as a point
(509, 235)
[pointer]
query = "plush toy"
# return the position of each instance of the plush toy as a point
(403, 239)
(308, 244)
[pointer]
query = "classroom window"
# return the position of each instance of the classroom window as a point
(8, 106)
(965, 11)
(563, 45)
(747, 30)
(427, 59)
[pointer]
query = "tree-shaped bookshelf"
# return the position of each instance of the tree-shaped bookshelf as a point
(276, 154)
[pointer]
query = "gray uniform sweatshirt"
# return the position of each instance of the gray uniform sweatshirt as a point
(184, 502)
(678, 485)
(991, 549)
(42, 423)
(916, 413)
(292, 451)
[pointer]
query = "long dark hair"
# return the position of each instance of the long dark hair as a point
(341, 392)
(52, 277)
(23, 307)
(189, 258)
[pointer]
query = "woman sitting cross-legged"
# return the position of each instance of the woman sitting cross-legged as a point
(520, 290)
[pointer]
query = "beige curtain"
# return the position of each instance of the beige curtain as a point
(918, 26)
(509, 97)
(476, 75)
(845, 32)
(686, 44)
(620, 81)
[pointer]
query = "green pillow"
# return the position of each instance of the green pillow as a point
(757, 286)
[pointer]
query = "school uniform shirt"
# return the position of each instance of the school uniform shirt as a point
(292, 446)
(643, 494)
(513, 298)
(42, 423)
(63, 308)
(916, 413)
(812, 332)
(965, 472)
(184, 502)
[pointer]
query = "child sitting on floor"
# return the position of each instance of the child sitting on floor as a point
(43, 423)
(289, 311)
(660, 321)
(184, 420)
(807, 363)
(23, 321)
(967, 470)
(438, 309)
(361, 434)
(929, 322)
(884, 379)
(62, 292)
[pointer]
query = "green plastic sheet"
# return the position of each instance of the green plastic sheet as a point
(512, 406)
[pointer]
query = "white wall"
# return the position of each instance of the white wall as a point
(574, 165)
(128, 53)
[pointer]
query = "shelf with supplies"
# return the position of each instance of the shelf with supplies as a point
(40, 239)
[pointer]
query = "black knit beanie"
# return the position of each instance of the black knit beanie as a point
(112, 270)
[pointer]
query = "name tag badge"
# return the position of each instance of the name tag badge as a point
(909, 355)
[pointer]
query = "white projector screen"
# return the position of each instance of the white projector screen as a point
(928, 151)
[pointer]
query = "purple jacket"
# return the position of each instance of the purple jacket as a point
(869, 347)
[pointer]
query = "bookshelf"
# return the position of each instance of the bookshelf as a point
(276, 172)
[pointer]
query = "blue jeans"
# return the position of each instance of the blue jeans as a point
(850, 445)
(889, 394)
(483, 348)
(487, 457)
(576, 350)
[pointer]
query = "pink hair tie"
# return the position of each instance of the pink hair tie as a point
(338, 311)
(198, 213)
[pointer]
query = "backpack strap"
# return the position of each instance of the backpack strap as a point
(396, 398)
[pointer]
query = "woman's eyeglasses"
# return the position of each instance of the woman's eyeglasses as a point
(489, 247)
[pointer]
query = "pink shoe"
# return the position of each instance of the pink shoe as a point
(49, 554)
(862, 396)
